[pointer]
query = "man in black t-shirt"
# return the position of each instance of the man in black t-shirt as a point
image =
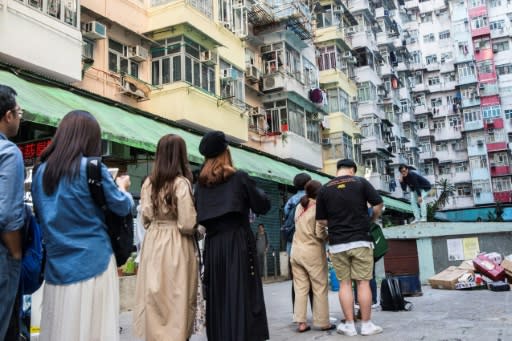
(342, 206)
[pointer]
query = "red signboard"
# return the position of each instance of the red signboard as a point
(32, 150)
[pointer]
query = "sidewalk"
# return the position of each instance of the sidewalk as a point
(446, 315)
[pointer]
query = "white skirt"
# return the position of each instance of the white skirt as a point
(83, 311)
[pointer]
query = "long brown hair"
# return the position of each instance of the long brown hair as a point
(78, 135)
(217, 169)
(312, 188)
(170, 162)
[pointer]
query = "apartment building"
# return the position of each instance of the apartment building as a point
(460, 61)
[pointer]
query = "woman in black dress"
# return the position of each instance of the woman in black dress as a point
(235, 308)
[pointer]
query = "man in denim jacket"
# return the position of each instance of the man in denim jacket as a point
(11, 204)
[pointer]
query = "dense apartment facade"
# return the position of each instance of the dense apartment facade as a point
(460, 59)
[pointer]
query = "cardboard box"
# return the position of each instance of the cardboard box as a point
(507, 265)
(447, 278)
(467, 265)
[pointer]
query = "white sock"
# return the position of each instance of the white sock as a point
(349, 323)
(366, 323)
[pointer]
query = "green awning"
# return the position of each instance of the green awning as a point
(396, 205)
(47, 105)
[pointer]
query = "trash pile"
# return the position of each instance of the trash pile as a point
(485, 271)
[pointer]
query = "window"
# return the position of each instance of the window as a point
(118, 60)
(337, 100)
(500, 46)
(347, 146)
(444, 35)
(491, 111)
(439, 124)
(433, 80)
(463, 190)
(504, 69)
(232, 87)
(426, 17)
(366, 91)
(508, 113)
(479, 22)
(478, 162)
(497, 25)
(466, 70)
(436, 102)
(494, 3)
(444, 170)
(312, 127)
(329, 16)
(65, 11)
(476, 3)
(273, 57)
(178, 60)
(484, 66)
(432, 59)
(471, 115)
(329, 58)
(454, 121)
(441, 147)
(429, 38)
(405, 105)
(501, 184)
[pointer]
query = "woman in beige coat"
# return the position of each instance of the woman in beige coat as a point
(309, 263)
(168, 272)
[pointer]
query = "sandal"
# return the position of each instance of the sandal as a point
(304, 329)
(330, 327)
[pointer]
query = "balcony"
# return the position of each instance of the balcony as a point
(447, 133)
(42, 40)
(483, 198)
(422, 109)
(421, 87)
(477, 149)
(462, 202)
(386, 69)
(447, 66)
(483, 31)
(367, 108)
(410, 4)
(360, 5)
(505, 196)
(470, 102)
(470, 79)
(478, 174)
(380, 182)
(424, 132)
(427, 155)
(473, 125)
(383, 38)
(408, 117)
(444, 156)
(432, 67)
(296, 149)
(363, 39)
(496, 146)
(463, 57)
(461, 177)
(371, 145)
(500, 170)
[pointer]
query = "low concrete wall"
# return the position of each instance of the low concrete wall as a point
(431, 241)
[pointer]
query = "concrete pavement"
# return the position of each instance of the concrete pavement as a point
(444, 315)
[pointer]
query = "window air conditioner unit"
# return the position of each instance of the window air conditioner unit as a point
(252, 73)
(256, 111)
(437, 12)
(347, 54)
(351, 30)
(273, 82)
(131, 90)
(480, 142)
(138, 53)
(226, 74)
(477, 48)
(326, 142)
(208, 57)
(94, 30)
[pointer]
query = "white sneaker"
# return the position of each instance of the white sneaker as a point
(415, 221)
(375, 305)
(423, 220)
(369, 328)
(356, 306)
(347, 329)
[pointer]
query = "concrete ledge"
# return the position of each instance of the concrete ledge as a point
(439, 229)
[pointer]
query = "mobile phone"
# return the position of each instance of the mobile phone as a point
(113, 172)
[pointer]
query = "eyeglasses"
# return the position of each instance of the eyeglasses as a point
(18, 111)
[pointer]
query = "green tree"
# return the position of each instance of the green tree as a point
(445, 190)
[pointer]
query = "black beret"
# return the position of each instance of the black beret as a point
(213, 144)
(346, 163)
(300, 180)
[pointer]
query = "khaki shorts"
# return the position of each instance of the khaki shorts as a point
(354, 264)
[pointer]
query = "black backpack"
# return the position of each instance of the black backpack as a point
(120, 229)
(288, 228)
(391, 298)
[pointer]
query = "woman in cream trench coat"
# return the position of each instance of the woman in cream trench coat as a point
(167, 284)
(309, 262)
